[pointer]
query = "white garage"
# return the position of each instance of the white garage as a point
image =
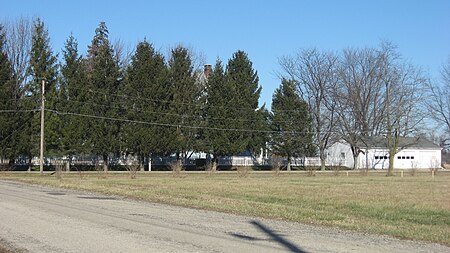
(413, 153)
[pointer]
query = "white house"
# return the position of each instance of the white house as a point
(413, 153)
(339, 154)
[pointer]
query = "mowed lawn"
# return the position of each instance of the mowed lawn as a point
(412, 207)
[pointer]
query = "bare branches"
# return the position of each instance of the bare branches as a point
(122, 53)
(363, 92)
(439, 104)
(315, 73)
(18, 46)
(404, 91)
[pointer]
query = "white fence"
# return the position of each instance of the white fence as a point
(164, 161)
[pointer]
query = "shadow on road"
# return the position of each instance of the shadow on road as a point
(273, 236)
(96, 197)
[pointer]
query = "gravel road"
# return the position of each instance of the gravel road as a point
(41, 219)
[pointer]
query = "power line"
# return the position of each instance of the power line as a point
(174, 125)
(158, 100)
(16, 130)
(12, 111)
(150, 123)
(166, 101)
(165, 113)
(89, 90)
(16, 99)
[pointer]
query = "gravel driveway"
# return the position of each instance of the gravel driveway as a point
(41, 219)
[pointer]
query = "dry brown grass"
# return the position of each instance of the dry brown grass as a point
(414, 207)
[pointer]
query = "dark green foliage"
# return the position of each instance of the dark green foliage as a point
(159, 108)
(184, 98)
(145, 96)
(243, 92)
(234, 122)
(72, 97)
(8, 101)
(290, 122)
(217, 113)
(104, 79)
(42, 68)
(42, 61)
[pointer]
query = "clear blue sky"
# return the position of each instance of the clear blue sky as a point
(265, 29)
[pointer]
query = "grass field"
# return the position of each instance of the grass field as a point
(412, 207)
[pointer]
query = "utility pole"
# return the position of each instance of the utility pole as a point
(41, 160)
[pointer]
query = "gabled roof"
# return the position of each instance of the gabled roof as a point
(404, 142)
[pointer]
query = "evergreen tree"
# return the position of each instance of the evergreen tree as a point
(104, 80)
(242, 82)
(73, 95)
(291, 123)
(42, 68)
(218, 114)
(8, 103)
(185, 103)
(146, 92)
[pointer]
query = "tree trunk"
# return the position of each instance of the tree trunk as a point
(215, 161)
(322, 160)
(142, 162)
(150, 162)
(391, 164)
(68, 163)
(355, 160)
(355, 154)
(179, 164)
(30, 164)
(288, 163)
(392, 141)
(105, 163)
(11, 162)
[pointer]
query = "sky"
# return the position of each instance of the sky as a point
(265, 29)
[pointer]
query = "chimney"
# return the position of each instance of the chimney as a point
(207, 70)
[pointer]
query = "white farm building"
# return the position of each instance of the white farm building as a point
(412, 153)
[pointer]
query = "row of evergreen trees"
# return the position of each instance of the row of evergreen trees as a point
(153, 105)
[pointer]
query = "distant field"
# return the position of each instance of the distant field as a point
(412, 207)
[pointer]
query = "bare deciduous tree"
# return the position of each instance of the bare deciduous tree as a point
(404, 95)
(360, 97)
(366, 92)
(439, 102)
(122, 54)
(18, 46)
(315, 73)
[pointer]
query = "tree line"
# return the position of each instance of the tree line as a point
(368, 92)
(96, 104)
(108, 103)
